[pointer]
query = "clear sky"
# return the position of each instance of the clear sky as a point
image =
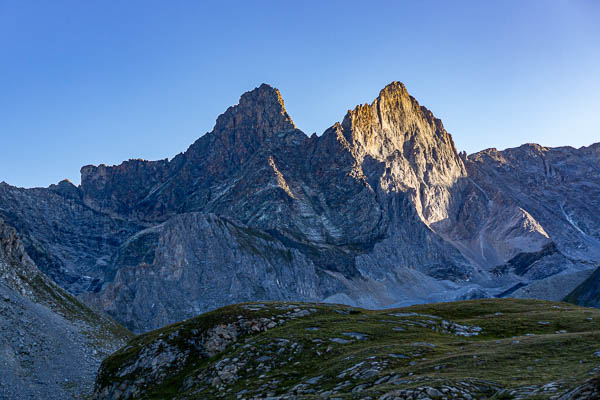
(90, 82)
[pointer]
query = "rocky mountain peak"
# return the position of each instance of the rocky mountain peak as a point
(66, 189)
(260, 113)
(392, 119)
(395, 88)
(417, 152)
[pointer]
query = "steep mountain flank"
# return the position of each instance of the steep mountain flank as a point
(197, 262)
(145, 190)
(117, 190)
(587, 293)
(50, 344)
(417, 154)
(560, 189)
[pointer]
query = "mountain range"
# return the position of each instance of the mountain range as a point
(378, 211)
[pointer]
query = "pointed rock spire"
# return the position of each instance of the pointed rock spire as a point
(260, 113)
(416, 152)
(392, 119)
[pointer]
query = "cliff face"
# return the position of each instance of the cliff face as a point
(47, 336)
(378, 210)
(68, 241)
(417, 154)
(195, 262)
(117, 190)
(559, 187)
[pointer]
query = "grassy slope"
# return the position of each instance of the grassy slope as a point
(513, 349)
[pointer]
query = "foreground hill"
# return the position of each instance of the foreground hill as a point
(50, 344)
(479, 349)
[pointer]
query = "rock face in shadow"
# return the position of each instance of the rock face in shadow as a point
(51, 344)
(199, 261)
(587, 293)
(559, 187)
(379, 210)
(70, 242)
(155, 190)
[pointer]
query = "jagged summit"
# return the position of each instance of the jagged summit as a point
(260, 112)
(392, 119)
(394, 88)
(416, 150)
(264, 93)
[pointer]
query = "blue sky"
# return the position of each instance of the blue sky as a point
(89, 82)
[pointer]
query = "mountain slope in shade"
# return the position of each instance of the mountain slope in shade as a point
(67, 240)
(152, 191)
(380, 210)
(50, 343)
(560, 190)
(587, 293)
(223, 261)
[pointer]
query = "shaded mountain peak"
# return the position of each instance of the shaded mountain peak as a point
(66, 188)
(259, 116)
(239, 132)
(260, 113)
